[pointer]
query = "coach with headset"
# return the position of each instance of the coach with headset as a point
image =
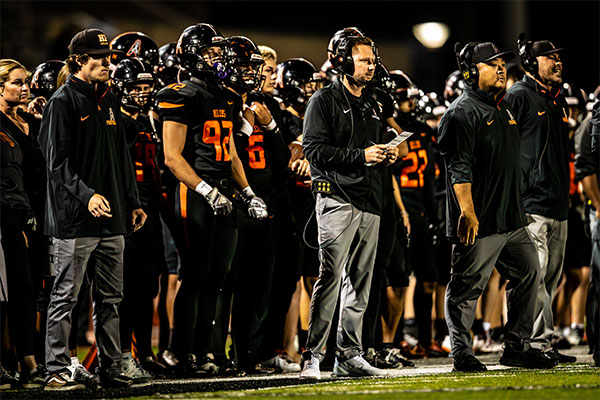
(478, 138)
(341, 128)
(542, 117)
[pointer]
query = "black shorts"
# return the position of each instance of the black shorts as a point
(578, 251)
(421, 252)
(398, 271)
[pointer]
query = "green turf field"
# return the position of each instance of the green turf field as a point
(576, 381)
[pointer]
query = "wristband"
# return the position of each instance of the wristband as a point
(248, 192)
(246, 128)
(203, 188)
(272, 125)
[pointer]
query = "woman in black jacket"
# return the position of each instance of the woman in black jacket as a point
(16, 130)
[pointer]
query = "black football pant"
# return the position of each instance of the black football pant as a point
(205, 261)
(252, 277)
(515, 257)
(144, 260)
(385, 246)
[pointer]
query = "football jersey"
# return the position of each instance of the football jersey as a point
(416, 171)
(211, 113)
(143, 147)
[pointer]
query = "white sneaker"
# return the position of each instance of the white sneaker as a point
(356, 366)
(446, 344)
(311, 369)
(282, 363)
(132, 369)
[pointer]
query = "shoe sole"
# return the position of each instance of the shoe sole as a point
(309, 378)
(65, 388)
(523, 365)
(32, 385)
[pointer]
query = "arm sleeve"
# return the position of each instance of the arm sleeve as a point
(457, 145)
(55, 143)
(316, 140)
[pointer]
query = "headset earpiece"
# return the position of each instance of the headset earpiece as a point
(342, 61)
(528, 61)
(464, 58)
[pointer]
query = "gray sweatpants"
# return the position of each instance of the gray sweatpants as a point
(348, 244)
(71, 257)
(550, 239)
(514, 256)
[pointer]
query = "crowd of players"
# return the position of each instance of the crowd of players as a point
(233, 256)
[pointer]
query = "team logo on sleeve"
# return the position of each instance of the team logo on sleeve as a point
(511, 120)
(111, 117)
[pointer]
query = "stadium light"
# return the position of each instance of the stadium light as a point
(432, 35)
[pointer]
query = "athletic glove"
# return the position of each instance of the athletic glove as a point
(219, 203)
(257, 208)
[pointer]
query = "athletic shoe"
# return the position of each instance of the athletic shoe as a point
(229, 368)
(596, 357)
(435, 350)
(282, 363)
(187, 367)
(532, 358)
(7, 381)
(412, 352)
(85, 377)
(561, 358)
(478, 343)
(392, 354)
(259, 369)
(62, 380)
(167, 358)
(355, 366)
(207, 366)
(373, 358)
(446, 345)
(559, 342)
(132, 369)
(491, 346)
(154, 367)
(468, 363)
(311, 367)
(35, 378)
(113, 378)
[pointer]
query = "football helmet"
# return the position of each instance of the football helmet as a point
(382, 79)
(168, 65)
(430, 106)
(455, 85)
(127, 74)
(404, 90)
(243, 64)
(200, 49)
(576, 99)
(44, 77)
(297, 81)
(134, 45)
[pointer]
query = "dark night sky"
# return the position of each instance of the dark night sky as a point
(33, 31)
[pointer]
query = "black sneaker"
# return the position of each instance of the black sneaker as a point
(596, 357)
(154, 367)
(187, 367)
(82, 375)
(35, 378)
(259, 369)
(7, 381)
(393, 354)
(375, 360)
(113, 378)
(167, 358)
(62, 381)
(206, 365)
(468, 363)
(532, 358)
(561, 358)
(229, 368)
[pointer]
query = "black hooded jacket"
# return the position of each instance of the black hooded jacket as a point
(83, 140)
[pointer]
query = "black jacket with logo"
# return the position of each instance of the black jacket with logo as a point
(479, 140)
(337, 128)
(83, 140)
(543, 124)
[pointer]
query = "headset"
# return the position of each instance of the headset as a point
(464, 59)
(528, 61)
(343, 62)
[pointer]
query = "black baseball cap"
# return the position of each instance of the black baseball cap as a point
(90, 41)
(484, 52)
(543, 48)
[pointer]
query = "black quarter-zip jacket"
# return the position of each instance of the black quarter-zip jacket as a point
(543, 125)
(83, 140)
(337, 128)
(479, 140)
